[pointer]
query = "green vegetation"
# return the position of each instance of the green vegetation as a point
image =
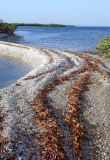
(7, 28)
(37, 24)
(104, 48)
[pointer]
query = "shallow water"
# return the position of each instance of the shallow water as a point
(11, 70)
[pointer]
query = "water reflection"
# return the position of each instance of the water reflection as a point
(11, 70)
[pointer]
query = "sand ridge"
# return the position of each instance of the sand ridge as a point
(27, 133)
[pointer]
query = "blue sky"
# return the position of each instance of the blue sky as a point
(72, 12)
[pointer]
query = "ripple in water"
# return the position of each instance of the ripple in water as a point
(71, 38)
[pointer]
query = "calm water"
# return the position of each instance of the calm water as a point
(11, 70)
(72, 38)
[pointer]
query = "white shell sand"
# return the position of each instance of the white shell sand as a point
(17, 115)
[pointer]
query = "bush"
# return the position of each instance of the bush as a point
(7, 28)
(104, 48)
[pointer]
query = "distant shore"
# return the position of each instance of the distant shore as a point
(39, 25)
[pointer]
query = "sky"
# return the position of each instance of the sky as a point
(69, 12)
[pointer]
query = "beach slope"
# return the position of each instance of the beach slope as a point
(59, 110)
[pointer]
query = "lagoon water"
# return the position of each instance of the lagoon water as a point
(71, 38)
(11, 70)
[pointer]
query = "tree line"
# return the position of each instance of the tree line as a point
(9, 28)
(39, 24)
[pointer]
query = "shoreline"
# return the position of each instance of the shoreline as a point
(61, 70)
(24, 53)
(10, 38)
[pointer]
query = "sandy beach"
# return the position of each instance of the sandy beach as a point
(59, 110)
